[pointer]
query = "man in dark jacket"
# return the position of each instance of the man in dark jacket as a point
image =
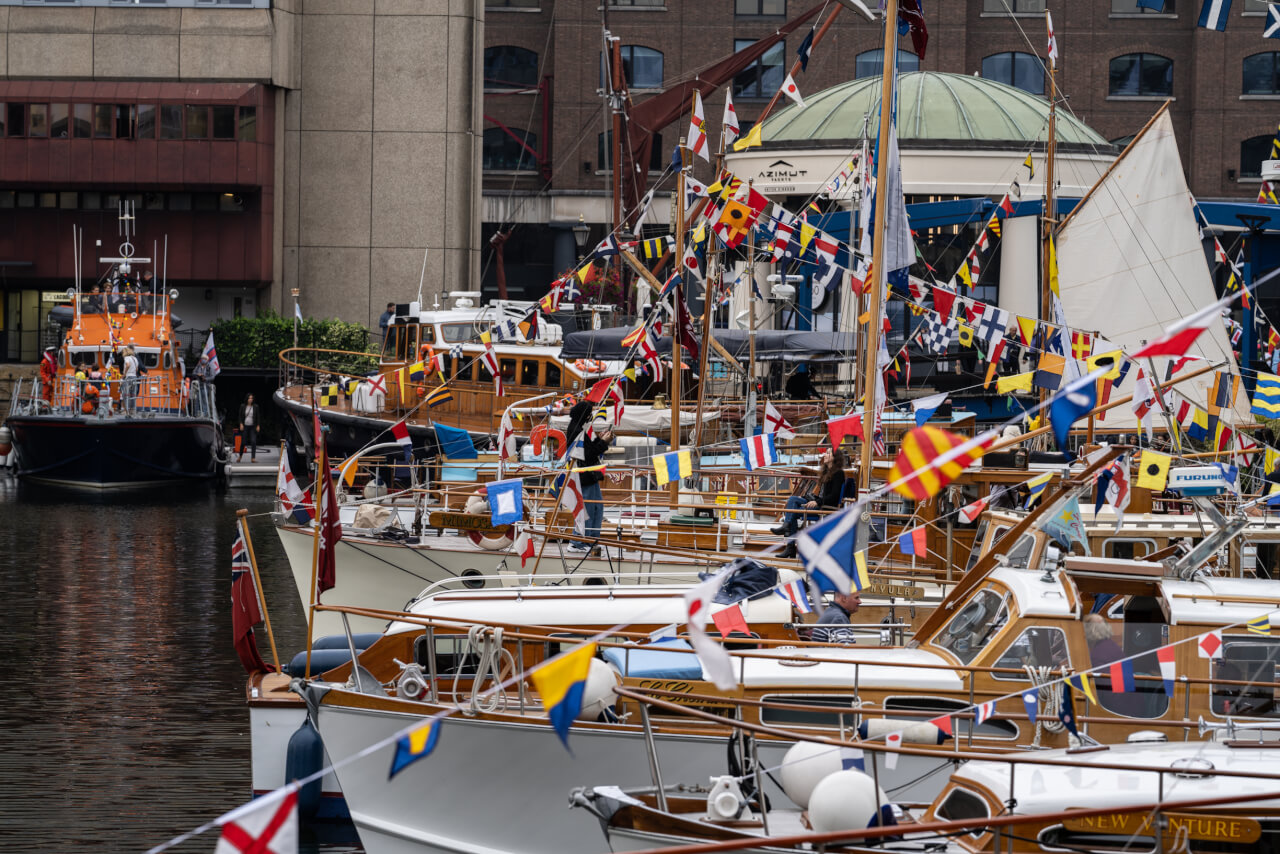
(842, 607)
(594, 447)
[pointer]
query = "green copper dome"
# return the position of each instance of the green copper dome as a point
(935, 109)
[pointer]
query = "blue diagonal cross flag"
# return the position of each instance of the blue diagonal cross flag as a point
(1271, 30)
(829, 552)
(1076, 401)
(1214, 14)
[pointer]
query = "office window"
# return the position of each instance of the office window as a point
(639, 3)
(1253, 151)
(146, 121)
(248, 124)
(1262, 74)
(82, 121)
(224, 121)
(510, 149)
(658, 159)
(1141, 74)
(103, 120)
(763, 77)
(16, 125)
(59, 121)
(1015, 6)
(1131, 7)
(197, 121)
(124, 121)
(641, 67)
(511, 4)
(760, 7)
(1022, 70)
(510, 67)
(870, 63)
(38, 120)
(170, 121)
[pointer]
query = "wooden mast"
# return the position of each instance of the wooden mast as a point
(872, 338)
(708, 296)
(1046, 293)
(678, 294)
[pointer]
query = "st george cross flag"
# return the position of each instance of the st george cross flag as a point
(295, 502)
(1271, 30)
(775, 423)
(730, 123)
(1214, 14)
(506, 501)
(758, 451)
(716, 663)
(697, 136)
(210, 355)
(265, 825)
(794, 593)
(1053, 41)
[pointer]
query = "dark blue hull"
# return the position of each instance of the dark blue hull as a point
(116, 452)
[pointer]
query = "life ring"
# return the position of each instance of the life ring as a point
(426, 353)
(541, 433)
(478, 505)
(589, 366)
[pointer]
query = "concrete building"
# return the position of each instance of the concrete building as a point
(320, 145)
(545, 124)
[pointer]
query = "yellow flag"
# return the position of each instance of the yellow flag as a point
(700, 233)
(585, 272)
(806, 234)
(1027, 329)
(963, 274)
(1031, 169)
(1153, 470)
(964, 334)
(1033, 421)
(751, 140)
(1114, 359)
(1053, 268)
(349, 472)
(1018, 382)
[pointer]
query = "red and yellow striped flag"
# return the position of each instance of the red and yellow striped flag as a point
(930, 458)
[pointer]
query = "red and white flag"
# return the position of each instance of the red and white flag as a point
(983, 712)
(792, 91)
(717, 666)
(267, 825)
(330, 527)
(775, 423)
(1144, 402)
(1179, 337)
(1210, 645)
(524, 547)
(1168, 670)
(972, 511)
(246, 606)
(400, 432)
(730, 122)
(571, 499)
(730, 620)
(506, 438)
(893, 739)
(1053, 41)
(697, 136)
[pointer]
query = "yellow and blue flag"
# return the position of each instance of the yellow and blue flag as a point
(1084, 683)
(1035, 488)
(1260, 625)
(861, 578)
(561, 682)
(439, 397)
(1198, 429)
(414, 745)
(655, 247)
(673, 466)
(1266, 396)
(417, 371)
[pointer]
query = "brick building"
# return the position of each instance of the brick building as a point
(546, 130)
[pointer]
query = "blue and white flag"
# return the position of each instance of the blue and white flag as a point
(1271, 30)
(506, 501)
(1153, 5)
(297, 312)
(794, 593)
(1214, 13)
(1070, 405)
(828, 550)
(924, 407)
(1031, 700)
(759, 451)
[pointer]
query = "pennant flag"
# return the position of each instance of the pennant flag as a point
(560, 683)
(1031, 702)
(267, 825)
(924, 407)
(1031, 169)
(1210, 645)
(1260, 625)
(1153, 470)
(1067, 408)
(852, 759)
(943, 300)
(608, 248)
(1067, 712)
(1271, 30)
(752, 139)
(829, 558)
(1121, 673)
(209, 356)
(759, 451)
(729, 620)
(943, 723)
(524, 547)
(973, 510)
(1026, 330)
(893, 739)
(506, 501)
(1179, 337)
(913, 542)
(806, 47)
(294, 501)
(1048, 373)
(672, 466)
(983, 712)
(792, 91)
(1036, 487)
(1083, 683)
(696, 139)
(1214, 14)
(716, 663)
(929, 458)
(1168, 673)
(993, 325)
(775, 423)
(794, 593)
(1266, 396)
(416, 744)
(330, 529)
(1017, 382)
(845, 425)
(439, 397)
(729, 124)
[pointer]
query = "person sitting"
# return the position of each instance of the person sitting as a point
(827, 494)
(1103, 649)
(842, 607)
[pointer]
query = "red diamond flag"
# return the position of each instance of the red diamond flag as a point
(1210, 645)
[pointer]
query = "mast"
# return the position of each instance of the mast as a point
(678, 294)
(872, 338)
(616, 84)
(708, 301)
(751, 331)
(1046, 293)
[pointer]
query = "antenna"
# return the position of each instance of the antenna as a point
(423, 276)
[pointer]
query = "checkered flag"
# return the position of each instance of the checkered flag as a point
(456, 351)
(936, 335)
(993, 325)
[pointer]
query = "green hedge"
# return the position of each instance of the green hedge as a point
(256, 342)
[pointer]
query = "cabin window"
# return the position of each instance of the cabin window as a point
(553, 376)
(963, 805)
(979, 543)
(456, 332)
(508, 369)
(1020, 555)
(428, 334)
(965, 634)
(482, 372)
(842, 714)
(1059, 838)
(1127, 548)
(926, 708)
(452, 655)
(1035, 647)
(1247, 659)
(529, 372)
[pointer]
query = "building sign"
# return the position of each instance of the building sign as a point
(54, 296)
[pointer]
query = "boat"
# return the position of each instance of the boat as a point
(83, 424)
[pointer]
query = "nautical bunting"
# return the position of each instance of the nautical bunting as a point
(561, 683)
(672, 466)
(829, 558)
(794, 593)
(416, 744)
(929, 458)
(759, 451)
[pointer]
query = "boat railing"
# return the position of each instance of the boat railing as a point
(150, 395)
(316, 366)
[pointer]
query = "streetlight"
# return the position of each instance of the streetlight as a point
(580, 234)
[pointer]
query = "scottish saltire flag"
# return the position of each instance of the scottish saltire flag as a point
(294, 500)
(794, 593)
(1031, 702)
(506, 500)
(211, 354)
(1214, 13)
(1164, 655)
(828, 552)
(672, 466)
(759, 451)
(1035, 488)
(1256, 626)
(913, 542)
(1271, 30)
(1121, 673)
(560, 682)
(1266, 396)
(416, 744)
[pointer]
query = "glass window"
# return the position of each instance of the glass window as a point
(510, 67)
(1127, 548)
(1017, 6)
(197, 123)
(248, 124)
(124, 121)
(224, 122)
(763, 77)
(510, 149)
(1246, 659)
(1258, 6)
(977, 622)
(170, 121)
(840, 706)
(83, 121)
(760, 7)
(91, 201)
(68, 201)
(1035, 647)
(179, 201)
(17, 121)
(146, 121)
(38, 120)
(1261, 74)
(553, 375)
(529, 372)
(604, 152)
(508, 369)
(1131, 7)
(103, 120)
(153, 201)
(1252, 152)
(59, 121)
(455, 332)
(962, 805)
(26, 200)
(641, 67)
(1141, 74)
(47, 200)
(482, 372)
(870, 63)
(206, 201)
(1022, 70)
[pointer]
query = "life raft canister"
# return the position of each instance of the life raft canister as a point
(478, 505)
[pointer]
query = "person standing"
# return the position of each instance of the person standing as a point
(130, 379)
(385, 320)
(48, 374)
(250, 424)
(593, 450)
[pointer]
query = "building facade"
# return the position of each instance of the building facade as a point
(546, 127)
(274, 146)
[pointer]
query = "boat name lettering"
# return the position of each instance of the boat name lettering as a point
(677, 686)
(1200, 827)
(900, 591)
(462, 521)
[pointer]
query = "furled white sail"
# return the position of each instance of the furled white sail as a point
(1130, 263)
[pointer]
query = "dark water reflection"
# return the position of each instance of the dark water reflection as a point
(122, 717)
